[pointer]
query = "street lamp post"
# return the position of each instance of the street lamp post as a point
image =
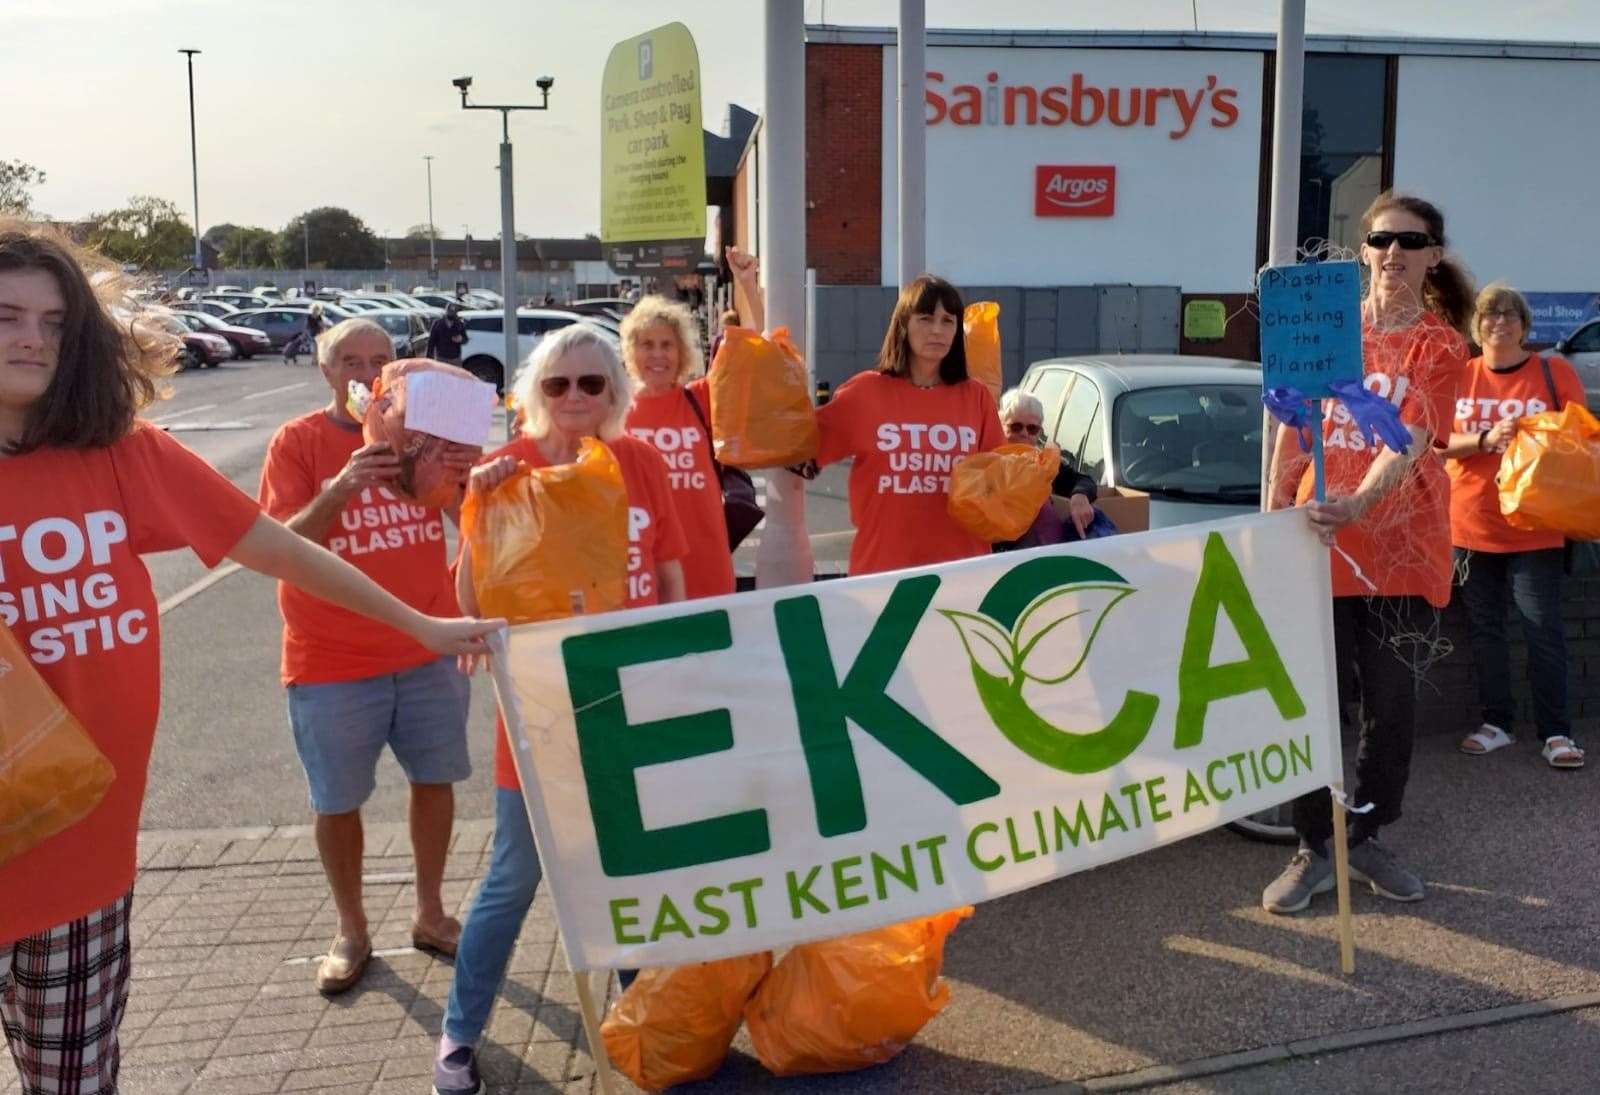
(508, 224)
(194, 161)
(433, 263)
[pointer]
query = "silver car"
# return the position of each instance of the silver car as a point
(1184, 430)
(1582, 348)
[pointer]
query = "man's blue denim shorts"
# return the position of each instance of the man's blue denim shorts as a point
(341, 728)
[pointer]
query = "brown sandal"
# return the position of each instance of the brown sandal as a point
(442, 943)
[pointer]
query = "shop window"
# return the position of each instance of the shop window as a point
(1342, 152)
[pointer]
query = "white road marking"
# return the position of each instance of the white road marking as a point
(275, 391)
(194, 589)
(183, 414)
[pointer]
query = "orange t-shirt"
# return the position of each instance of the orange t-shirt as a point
(396, 543)
(668, 424)
(1484, 398)
(905, 439)
(74, 592)
(1402, 544)
(655, 535)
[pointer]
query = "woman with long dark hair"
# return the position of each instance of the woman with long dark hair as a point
(1387, 519)
(86, 488)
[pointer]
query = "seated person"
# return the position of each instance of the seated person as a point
(1022, 417)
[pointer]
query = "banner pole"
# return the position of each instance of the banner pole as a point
(1341, 840)
(591, 1031)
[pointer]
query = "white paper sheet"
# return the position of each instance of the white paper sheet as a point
(451, 407)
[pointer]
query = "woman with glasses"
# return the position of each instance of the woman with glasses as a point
(1022, 418)
(1493, 558)
(573, 387)
(1387, 519)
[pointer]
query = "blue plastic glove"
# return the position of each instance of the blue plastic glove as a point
(1289, 406)
(1374, 416)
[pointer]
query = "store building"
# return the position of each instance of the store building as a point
(1097, 182)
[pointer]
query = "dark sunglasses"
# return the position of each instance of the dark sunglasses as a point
(554, 387)
(1030, 428)
(1408, 241)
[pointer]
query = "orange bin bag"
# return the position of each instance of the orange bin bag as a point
(51, 772)
(996, 495)
(850, 1003)
(673, 1025)
(425, 477)
(551, 542)
(1550, 474)
(981, 324)
(761, 413)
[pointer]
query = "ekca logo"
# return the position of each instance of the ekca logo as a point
(1018, 635)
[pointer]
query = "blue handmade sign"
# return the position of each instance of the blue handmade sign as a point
(1310, 326)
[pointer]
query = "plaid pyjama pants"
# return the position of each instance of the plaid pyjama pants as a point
(62, 994)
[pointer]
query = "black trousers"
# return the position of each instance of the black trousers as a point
(1374, 646)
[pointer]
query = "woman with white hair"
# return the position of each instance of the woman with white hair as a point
(573, 387)
(1022, 416)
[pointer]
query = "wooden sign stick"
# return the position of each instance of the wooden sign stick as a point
(591, 1029)
(1341, 840)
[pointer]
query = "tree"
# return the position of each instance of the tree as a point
(251, 248)
(16, 180)
(420, 232)
(219, 235)
(148, 232)
(336, 239)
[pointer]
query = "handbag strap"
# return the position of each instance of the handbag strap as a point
(1549, 382)
(699, 412)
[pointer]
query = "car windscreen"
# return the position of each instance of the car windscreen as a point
(1200, 440)
(395, 325)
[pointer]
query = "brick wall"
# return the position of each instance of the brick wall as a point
(844, 163)
(1448, 700)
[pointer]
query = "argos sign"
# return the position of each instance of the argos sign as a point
(1061, 190)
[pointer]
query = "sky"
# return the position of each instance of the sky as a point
(303, 103)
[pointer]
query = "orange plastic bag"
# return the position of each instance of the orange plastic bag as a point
(674, 1025)
(981, 323)
(551, 542)
(761, 413)
(996, 495)
(51, 772)
(850, 1003)
(1550, 474)
(426, 477)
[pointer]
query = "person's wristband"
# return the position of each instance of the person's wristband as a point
(1483, 435)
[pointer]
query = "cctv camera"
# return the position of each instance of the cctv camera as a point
(545, 83)
(462, 82)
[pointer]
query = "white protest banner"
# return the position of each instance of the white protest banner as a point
(725, 776)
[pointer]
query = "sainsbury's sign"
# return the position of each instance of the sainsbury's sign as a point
(1074, 190)
(1080, 102)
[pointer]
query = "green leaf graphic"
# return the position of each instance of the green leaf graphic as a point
(1047, 651)
(987, 643)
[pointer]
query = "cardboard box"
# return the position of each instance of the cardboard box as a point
(1128, 509)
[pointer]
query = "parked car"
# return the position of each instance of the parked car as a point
(358, 305)
(239, 299)
(246, 341)
(201, 348)
(282, 324)
(441, 300)
(271, 292)
(615, 307)
(1582, 348)
(1184, 430)
(483, 354)
(218, 308)
(409, 330)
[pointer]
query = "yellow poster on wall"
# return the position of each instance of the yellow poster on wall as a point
(652, 154)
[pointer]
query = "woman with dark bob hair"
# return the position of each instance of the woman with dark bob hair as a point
(906, 423)
(85, 489)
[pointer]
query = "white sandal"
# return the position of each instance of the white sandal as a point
(1486, 738)
(1561, 751)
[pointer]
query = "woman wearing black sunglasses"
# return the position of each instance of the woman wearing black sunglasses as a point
(574, 387)
(1022, 419)
(1387, 520)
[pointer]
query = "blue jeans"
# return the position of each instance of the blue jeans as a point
(495, 921)
(1534, 580)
